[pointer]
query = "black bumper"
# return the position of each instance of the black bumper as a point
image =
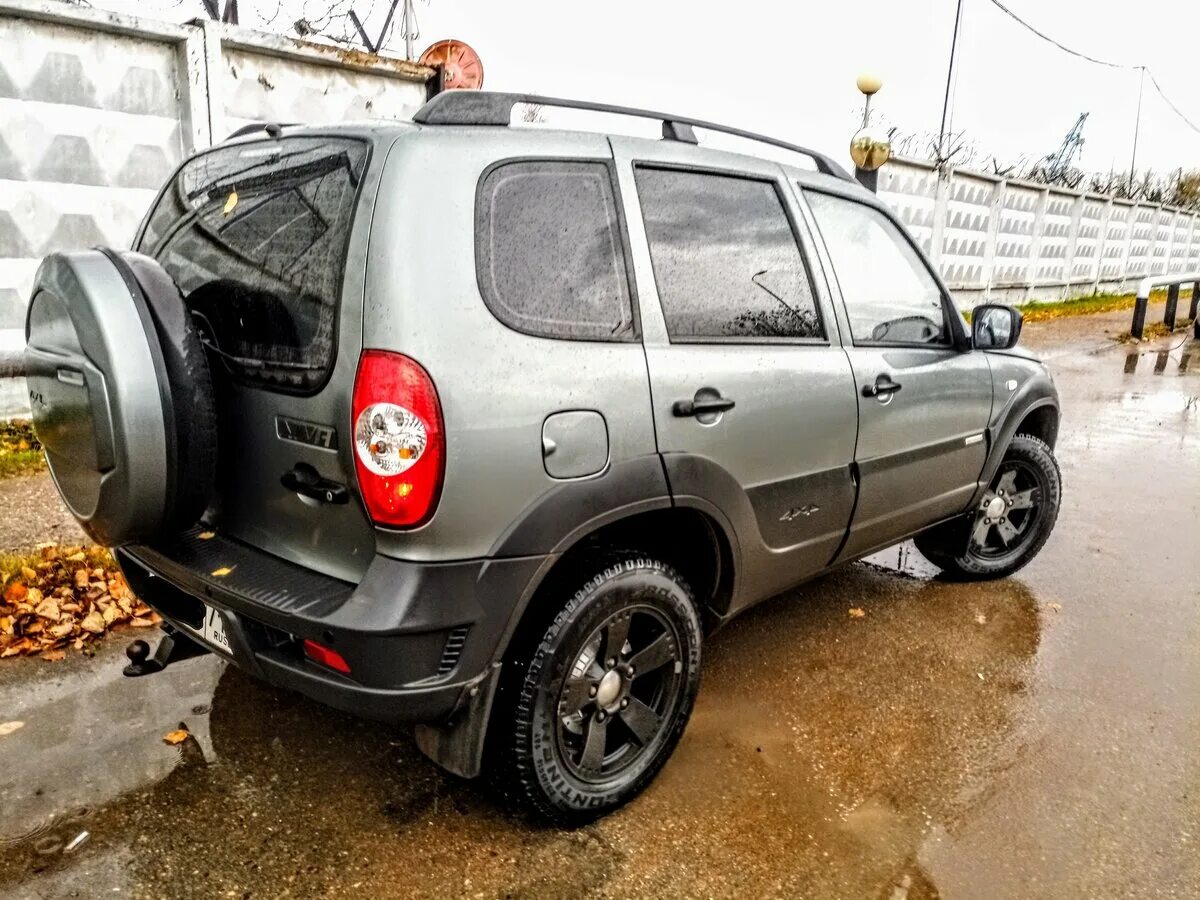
(417, 636)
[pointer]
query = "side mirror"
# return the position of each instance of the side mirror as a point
(995, 327)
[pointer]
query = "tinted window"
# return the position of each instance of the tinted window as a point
(725, 258)
(549, 250)
(255, 235)
(889, 294)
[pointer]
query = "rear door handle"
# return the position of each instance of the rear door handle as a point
(883, 387)
(304, 480)
(703, 406)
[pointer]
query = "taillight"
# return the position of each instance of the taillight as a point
(399, 445)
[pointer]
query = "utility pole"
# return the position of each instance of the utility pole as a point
(1137, 124)
(947, 112)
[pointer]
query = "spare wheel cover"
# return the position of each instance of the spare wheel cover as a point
(100, 404)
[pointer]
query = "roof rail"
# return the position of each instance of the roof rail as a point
(495, 108)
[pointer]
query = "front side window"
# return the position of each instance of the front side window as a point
(549, 253)
(725, 257)
(890, 296)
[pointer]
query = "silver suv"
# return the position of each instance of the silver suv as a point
(483, 427)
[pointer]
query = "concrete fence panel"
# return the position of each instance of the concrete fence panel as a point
(97, 108)
(1014, 241)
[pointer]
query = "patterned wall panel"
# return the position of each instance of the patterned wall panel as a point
(1141, 248)
(1014, 240)
(258, 87)
(1085, 265)
(1112, 262)
(911, 191)
(1193, 257)
(89, 128)
(1181, 235)
(1163, 232)
(1052, 264)
(964, 239)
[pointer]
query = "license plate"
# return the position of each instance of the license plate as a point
(213, 629)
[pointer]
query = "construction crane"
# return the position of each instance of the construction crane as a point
(1058, 164)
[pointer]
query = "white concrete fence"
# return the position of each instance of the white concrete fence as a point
(1011, 241)
(97, 108)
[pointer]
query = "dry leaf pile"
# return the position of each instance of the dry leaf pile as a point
(64, 597)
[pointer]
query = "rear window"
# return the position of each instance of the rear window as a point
(549, 253)
(255, 235)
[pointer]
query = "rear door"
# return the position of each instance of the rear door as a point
(266, 241)
(753, 398)
(923, 402)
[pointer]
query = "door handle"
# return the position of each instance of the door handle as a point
(883, 387)
(304, 480)
(705, 406)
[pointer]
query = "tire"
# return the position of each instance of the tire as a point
(190, 384)
(565, 708)
(974, 547)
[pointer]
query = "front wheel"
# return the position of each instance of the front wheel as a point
(1010, 524)
(605, 696)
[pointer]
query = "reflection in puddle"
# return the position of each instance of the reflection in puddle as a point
(1162, 360)
(822, 751)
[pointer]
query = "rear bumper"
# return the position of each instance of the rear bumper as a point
(417, 636)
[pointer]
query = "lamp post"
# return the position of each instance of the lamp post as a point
(869, 147)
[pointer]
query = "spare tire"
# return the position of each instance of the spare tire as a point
(121, 394)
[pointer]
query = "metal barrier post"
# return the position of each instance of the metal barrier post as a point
(1172, 282)
(1139, 315)
(1172, 306)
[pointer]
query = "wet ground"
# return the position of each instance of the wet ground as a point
(1035, 737)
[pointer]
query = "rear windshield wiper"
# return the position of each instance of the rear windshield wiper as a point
(290, 177)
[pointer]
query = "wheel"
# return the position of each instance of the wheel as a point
(1011, 523)
(600, 703)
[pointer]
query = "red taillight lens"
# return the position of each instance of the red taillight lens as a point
(399, 444)
(326, 657)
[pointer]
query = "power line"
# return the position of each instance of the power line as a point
(1167, 100)
(1099, 62)
(1063, 47)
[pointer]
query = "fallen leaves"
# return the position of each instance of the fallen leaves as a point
(20, 451)
(61, 598)
(857, 613)
(7, 728)
(176, 737)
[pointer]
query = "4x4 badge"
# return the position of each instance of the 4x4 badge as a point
(797, 511)
(301, 432)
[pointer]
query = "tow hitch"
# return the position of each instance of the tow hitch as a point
(174, 646)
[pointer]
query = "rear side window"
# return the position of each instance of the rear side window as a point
(255, 235)
(549, 253)
(725, 257)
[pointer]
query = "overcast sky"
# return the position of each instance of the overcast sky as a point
(789, 68)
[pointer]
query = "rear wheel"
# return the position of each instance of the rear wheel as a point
(1010, 524)
(601, 702)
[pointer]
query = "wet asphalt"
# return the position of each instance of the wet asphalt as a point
(1033, 737)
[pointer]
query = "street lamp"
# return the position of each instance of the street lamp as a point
(870, 148)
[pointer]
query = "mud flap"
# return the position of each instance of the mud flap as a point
(457, 744)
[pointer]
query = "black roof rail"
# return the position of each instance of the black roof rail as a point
(273, 129)
(495, 108)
